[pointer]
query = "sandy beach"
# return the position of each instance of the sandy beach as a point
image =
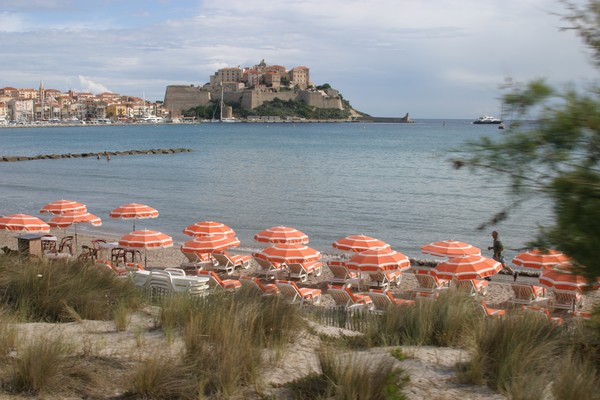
(431, 369)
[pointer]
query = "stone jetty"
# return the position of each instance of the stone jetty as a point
(92, 154)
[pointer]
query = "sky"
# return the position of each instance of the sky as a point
(432, 59)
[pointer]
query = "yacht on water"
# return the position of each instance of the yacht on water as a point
(486, 119)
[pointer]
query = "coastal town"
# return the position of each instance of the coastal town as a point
(247, 87)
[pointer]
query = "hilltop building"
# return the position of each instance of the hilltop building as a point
(250, 87)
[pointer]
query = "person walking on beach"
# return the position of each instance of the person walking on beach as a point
(498, 248)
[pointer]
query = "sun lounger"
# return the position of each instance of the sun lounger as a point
(341, 275)
(566, 299)
(491, 312)
(294, 294)
(527, 294)
(254, 284)
(225, 261)
(217, 283)
(302, 270)
(344, 297)
(429, 285)
(383, 299)
(383, 279)
(268, 269)
(471, 286)
(197, 262)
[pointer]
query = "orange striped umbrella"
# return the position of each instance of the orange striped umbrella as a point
(289, 253)
(281, 234)
(208, 228)
(450, 248)
(134, 211)
(378, 260)
(146, 239)
(23, 223)
(466, 267)
(359, 243)
(562, 277)
(60, 207)
(538, 258)
(209, 244)
(64, 221)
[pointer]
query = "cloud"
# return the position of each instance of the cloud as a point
(11, 22)
(87, 85)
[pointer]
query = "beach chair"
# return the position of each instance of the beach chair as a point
(235, 261)
(217, 283)
(472, 287)
(302, 270)
(566, 299)
(383, 279)
(63, 251)
(527, 294)
(254, 284)
(197, 262)
(428, 285)
(175, 271)
(341, 276)
(344, 297)
(491, 312)
(268, 269)
(383, 299)
(294, 294)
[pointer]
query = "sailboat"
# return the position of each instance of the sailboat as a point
(221, 107)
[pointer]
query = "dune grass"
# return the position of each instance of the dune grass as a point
(63, 291)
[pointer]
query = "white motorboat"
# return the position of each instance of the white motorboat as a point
(486, 119)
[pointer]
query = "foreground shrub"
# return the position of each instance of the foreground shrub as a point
(64, 291)
(225, 334)
(164, 378)
(41, 365)
(516, 355)
(438, 323)
(352, 376)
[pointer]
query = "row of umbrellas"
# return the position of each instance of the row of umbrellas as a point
(289, 245)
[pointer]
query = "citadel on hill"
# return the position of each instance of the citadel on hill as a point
(251, 87)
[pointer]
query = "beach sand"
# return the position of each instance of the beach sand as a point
(431, 369)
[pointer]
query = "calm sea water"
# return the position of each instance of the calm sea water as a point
(390, 181)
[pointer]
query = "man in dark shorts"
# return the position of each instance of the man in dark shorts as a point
(498, 248)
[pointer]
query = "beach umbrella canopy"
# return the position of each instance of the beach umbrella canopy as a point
(281, 234)
(564, 278)
(466, 267)
(209, 244)
(289, 253)
(134, 211)
(208, 228)
(23, 223)
(450, 248)
(66, 220)
(60, 207)
(146, 239)
(359, 243)
(378, 260)
(538, 258)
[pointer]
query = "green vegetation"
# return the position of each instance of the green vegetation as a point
(557, 156)
(276, 108)
(221, 345)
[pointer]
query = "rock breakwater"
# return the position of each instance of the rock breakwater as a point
(92, 154)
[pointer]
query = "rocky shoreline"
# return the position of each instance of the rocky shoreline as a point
(92, 154)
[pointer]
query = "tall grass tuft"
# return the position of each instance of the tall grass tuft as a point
(224, 335)
(163, 378)
(352, 376)
(439, 323)
(64, 291)
(40, 367)
(8, 334)
(516, 355)
(577, 378)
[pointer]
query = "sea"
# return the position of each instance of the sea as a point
(394, 182)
